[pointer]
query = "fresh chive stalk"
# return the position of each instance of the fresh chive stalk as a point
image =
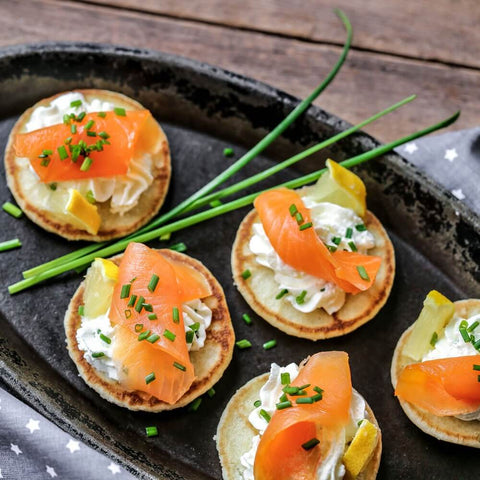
(58, 266)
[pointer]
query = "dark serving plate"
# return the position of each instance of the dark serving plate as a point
(204, 109)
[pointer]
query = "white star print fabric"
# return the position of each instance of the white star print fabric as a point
(33, 448)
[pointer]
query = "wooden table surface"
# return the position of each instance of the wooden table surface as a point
(400, 46)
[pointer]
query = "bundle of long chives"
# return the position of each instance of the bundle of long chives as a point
(226, 174)
(214, 212)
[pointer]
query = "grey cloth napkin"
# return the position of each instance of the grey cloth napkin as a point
(32, 447)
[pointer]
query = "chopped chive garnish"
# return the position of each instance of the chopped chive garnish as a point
(45, 162)
(144, 335)
(246, 274)
(285, 378)
(464, 334)
(66, 119)
(151, 431)
(331, 248)
(148, 307)
(86, 164)
(138, 327)
(165, 237)
(91, 134)
(150, 378)
(68, 141)
(81, 116)
(189, 336)
(304, 386)
(292, 209)
(152, 285)
(152, 316)
(12, 210)
(128, 314)
(247, 319)
(139, 305)
(478, 378)
(53, 186)
(73, 128)
(175, 315)
(47, 152)
(283, 398)
(97, 354)
(300, 299)
(103, 135)
(301, 392)
(228, 152)
(180, 366)
(215, 203)
(101, 114)
(257, 403)
(476, 367)
(283, 405)
(304, 400)
(264, 415)
(305, 226)
(282, 294)
(290, 390)
(270, 344)
(89, 125)
(313, 442)
(154, 337)
(10, 244)
(318, 389)
(336, 240)
(169, 335)
(120, 112)
(360, 228)
(352, 246)
(132, 301)
(434, 339)
(317, 397)
(195, 404)
(75, 103)
(105, 338)
(194, 326)
(211, 392)
(125, 290)
(178, 247)
(299, 218)
(477, 345)
(363, 273)
(90, 197)
(133, 279)
(244, 343)
(473, 326)
(81, 310)
(349, 233)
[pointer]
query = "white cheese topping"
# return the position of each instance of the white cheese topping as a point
(90, 342)
(331, 223)
(331, 467)
(451, 344)
(123, 191)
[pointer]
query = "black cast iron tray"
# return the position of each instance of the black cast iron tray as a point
(204, 109)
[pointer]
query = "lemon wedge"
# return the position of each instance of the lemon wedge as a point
(342, 187)
(360, 450)
(83, 212)
(437, 311)
(99, 284)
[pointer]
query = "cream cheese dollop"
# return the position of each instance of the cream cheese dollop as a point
(451, 344)
(90, 342)
(330, 222)
(331, 467)
(123, 191)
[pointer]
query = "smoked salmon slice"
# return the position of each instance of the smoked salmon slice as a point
(160, 316)
(280, 454)
(124, 134)
(448, 386)
(303, 250)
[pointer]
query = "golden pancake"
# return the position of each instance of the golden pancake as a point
(260, 289)
(449, 429)
(20, 179)
(235, 433)
(209, 362)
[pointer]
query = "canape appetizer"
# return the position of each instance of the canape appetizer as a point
(300, 422)
(88, 164)
(149, 330)
(314, 262)
(436, 370)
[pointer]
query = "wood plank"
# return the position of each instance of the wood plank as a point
(366, 84)
(441, 30)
